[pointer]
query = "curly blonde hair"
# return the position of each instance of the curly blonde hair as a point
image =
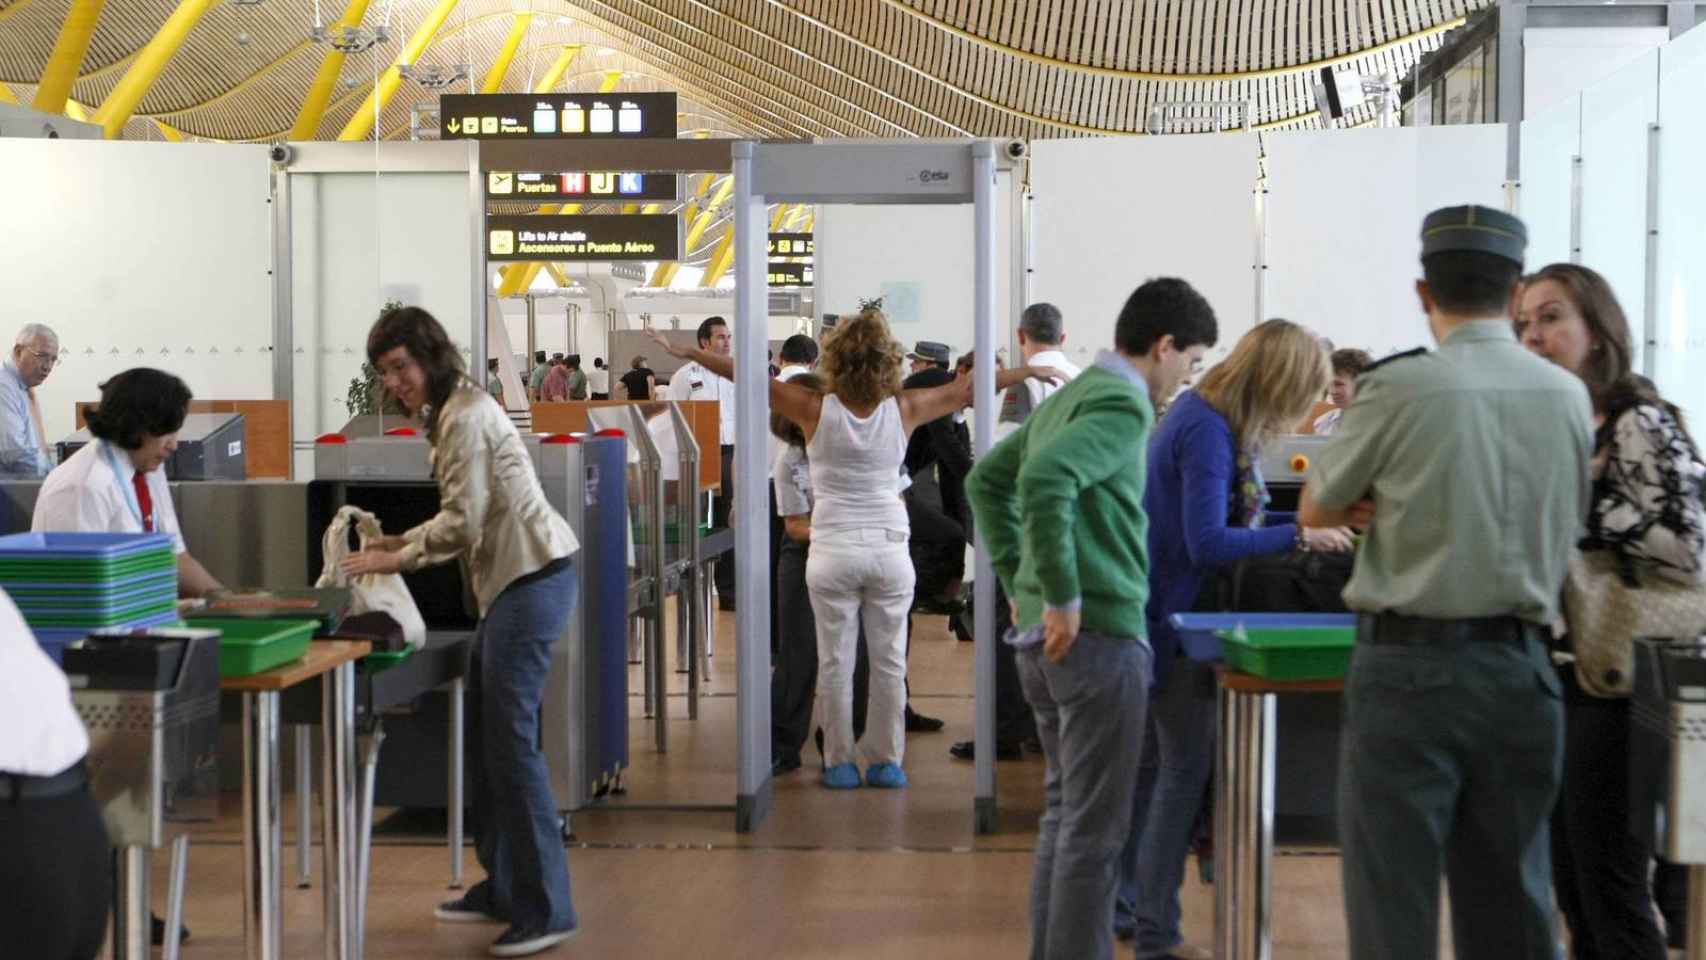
(1270, 381)
(861, 360)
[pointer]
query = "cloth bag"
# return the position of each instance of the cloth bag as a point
(1606, 608)
(373, 592)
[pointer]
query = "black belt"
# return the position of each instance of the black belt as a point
(1394, 629)
(22, 786)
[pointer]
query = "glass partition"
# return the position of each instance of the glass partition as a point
(1680, 290)
(1617, 113)
(1551, 142)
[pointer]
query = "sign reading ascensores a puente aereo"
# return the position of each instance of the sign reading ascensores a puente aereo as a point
(583, 237)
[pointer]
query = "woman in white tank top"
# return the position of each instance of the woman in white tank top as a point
(856, 436)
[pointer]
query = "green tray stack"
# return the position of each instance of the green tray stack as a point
(68, 584)
(1289, 653)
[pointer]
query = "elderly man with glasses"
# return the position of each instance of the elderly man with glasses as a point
(23, 442)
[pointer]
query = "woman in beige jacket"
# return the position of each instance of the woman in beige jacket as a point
(518, 554)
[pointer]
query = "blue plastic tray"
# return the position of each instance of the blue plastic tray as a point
(1197, 630)
(81, 590)
(82, 546)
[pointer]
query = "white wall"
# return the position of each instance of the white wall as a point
(1111, 213)
(1559, 62)
(1345, 209)
(139, 254)
(922, 253)
(359, 240)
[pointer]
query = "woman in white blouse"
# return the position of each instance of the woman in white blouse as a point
(859, 569)
(1647, 512)
(517, 551)
(55, 864)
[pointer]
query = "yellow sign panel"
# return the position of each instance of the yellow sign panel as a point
(500, 183)
(503, 242)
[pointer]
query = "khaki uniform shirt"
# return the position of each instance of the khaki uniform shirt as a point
(492, 511)
(1476, 456)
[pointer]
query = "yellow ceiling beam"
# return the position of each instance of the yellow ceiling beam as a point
(16, 7)
(171, 133)
(313, 110)
(116, 110)
(75, 111)
(611, 79)
(700, 220)
(365, 121)
(557, 274)
(60, 74)
(500, 67)
(7, 96)
(517, 278)
(721, 258)
(566, 56)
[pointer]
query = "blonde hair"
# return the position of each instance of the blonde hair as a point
(861, 361)
(1269, 382)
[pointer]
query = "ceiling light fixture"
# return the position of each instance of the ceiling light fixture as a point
(435, 78)
(606, 52)
(351, 39)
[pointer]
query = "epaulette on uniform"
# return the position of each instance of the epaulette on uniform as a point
(1419, 351)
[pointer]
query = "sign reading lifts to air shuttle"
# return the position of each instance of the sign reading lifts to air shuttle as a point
(557, 116)
(583, 237)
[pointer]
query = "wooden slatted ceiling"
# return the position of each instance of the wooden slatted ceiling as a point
(780, 67)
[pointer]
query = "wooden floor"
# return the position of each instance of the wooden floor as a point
(866, 874)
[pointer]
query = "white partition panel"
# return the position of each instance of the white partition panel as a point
(359, 240)
(1345, 209)
(1617, 113)
(140, 254)
(1111, 213)
(1551, 142)
(1679, 354)
(917, 258)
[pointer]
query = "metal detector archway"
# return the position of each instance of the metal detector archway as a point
(863, 172)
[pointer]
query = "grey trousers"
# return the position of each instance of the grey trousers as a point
(1090, 715)
(1449, 763)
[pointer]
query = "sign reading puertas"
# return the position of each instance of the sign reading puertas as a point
(557, 116)
(583, 237)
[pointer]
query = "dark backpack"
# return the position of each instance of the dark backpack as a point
(1294, 582)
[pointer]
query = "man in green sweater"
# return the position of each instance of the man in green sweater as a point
(1059, 507)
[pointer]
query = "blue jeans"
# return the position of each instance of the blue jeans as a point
(1178, 757)
(518, 841)
(1090, 718)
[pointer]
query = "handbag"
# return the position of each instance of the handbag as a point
(1606, 608)
(371, 592)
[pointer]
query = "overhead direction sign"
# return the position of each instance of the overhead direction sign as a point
(783, 273)
(556, 116)
(581, 185)
(792, 245)
(583, 237)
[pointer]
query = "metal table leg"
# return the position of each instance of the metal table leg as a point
(364, 832)
(657, 664)
(337, 799)
(132, 916)
(642, 627)
(175, 897)
(458, 688)
(707, 575)
(1244, 826)
(684, 628)
(262, 839)
(304, 806)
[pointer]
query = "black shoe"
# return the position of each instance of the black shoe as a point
(817, 738)
(967, 750)
(1125, 934)
(157, 932)
(919, 723)
(517, 942)
(781, 764)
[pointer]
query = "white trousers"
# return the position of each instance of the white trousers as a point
(854, 574)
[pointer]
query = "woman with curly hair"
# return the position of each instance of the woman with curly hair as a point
(856, 433)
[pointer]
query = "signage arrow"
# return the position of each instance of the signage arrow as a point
(455, 126)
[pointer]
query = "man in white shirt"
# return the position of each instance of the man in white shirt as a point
(598, 379)
(115, 483)
(1042, 333)
(694, 382)
(799, 356)
(23, 444)
(57, 866)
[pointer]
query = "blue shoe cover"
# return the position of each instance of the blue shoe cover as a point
(885, 775)
(842, 776)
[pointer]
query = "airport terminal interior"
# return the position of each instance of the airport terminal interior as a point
(254, 245)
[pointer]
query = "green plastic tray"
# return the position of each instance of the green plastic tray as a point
(385, 659)
(50, 570)
(252, 646)
(1290, 653)
(115, 618)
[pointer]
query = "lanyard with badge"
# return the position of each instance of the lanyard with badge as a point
(143, 520)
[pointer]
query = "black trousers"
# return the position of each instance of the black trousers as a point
(57, 874)
(1599, 868)
(724, 577)
(1014, 720)
(778, 533)
(793, 681)
(938, 546)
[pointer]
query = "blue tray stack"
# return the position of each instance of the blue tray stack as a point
(69, 584)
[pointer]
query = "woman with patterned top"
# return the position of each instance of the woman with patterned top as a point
(1205, 500)
(1647, 508)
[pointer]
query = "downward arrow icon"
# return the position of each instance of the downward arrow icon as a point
(455, 126)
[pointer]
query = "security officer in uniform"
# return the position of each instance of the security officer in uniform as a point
(1470, 467)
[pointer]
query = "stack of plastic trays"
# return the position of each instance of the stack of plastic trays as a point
(69, 584)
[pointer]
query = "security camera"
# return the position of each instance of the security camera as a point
(280, 153)
(1016, 149)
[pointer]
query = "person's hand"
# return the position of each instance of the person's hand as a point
(1013, 611)
(680, 353)
(1051, 374)
(373, 561)
(1060, 631)
(1361, 514)
(1328, 539)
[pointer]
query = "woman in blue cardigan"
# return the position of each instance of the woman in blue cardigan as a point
(1205, 501)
